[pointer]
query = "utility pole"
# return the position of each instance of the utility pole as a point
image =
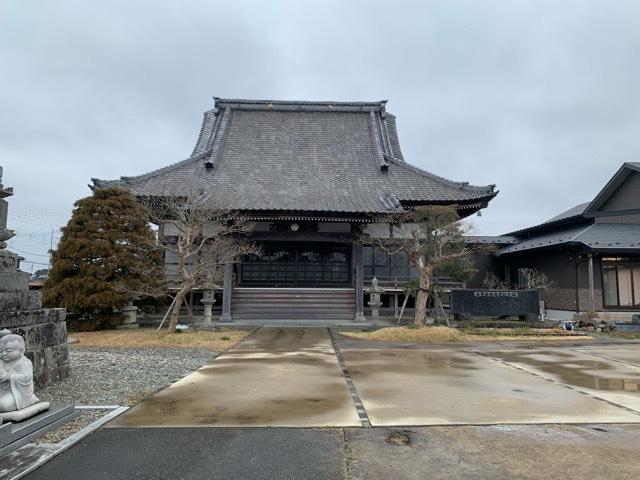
(51, 249)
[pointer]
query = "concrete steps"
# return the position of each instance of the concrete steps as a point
(293, 304)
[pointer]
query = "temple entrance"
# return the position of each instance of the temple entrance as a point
(292, 265)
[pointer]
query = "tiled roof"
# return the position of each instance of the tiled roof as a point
(576, 211)
(596, 236)
(302, 156)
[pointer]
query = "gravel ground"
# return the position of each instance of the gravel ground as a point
(116, 376)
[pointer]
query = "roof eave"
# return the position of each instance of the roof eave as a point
(564, 222)
(510, 251)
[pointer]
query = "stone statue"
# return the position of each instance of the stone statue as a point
(17, 400)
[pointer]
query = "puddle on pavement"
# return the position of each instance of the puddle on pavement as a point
(399, 438)
(574, 371)
(366, 362)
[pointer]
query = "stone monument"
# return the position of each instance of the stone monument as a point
(44, 330)
(374, 297)
(17, 399)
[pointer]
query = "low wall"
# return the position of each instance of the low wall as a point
(609, 316)
(44, 331)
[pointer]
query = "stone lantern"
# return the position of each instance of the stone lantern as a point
(130, 314)
(374, 297)
(207, 300)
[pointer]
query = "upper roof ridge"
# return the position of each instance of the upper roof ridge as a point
(299, 105)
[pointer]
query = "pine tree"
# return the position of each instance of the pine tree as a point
(107, 252)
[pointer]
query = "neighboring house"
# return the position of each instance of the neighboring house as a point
(591, 253)
(310, 175)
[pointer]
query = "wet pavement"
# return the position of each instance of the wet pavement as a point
(277, 377)
(290, 377)
(548, 410)
(441, 387)
(533, 452)
(201, 454)
(601, 375)
(536, 452)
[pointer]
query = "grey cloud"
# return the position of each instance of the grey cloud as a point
(539, 97)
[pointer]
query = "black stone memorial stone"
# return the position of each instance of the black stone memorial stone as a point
(495, 303)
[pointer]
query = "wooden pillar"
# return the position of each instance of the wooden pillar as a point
(359, 284)
(227, 291)
(591, 284)
(395, 304)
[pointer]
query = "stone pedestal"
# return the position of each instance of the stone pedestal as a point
(20, 415)
(375, 305)
(130, 314)
(207, 300)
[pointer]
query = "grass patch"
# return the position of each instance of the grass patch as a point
(450, 335)
(622, 335)
(217, 341)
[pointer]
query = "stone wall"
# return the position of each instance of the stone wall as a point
(44, 331)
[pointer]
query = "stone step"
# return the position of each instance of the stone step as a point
(296, 312)
(296, 294)
(274, 305)
(283, 309)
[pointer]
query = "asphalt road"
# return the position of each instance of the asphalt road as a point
(200, 453)
(441, 452)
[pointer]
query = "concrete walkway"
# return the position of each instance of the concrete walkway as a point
(291, 377)
(277, 377)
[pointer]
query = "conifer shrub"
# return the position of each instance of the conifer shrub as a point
(106, 256)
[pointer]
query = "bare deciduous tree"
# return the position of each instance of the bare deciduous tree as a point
(432, 239)
(536, 280)
(202, 238)
(493, 282)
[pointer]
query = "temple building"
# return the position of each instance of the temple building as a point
(309, 175)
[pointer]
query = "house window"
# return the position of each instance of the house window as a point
(621, 282)
(378, 263)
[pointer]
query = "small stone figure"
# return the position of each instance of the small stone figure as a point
(17, 400)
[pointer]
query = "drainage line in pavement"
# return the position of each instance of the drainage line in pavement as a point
(551, 380)
(362, 413)
(599, 357)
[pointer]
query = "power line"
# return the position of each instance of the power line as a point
(33, 221)
(35, 263)
(28, 253)
(39, 217)
(33, 207)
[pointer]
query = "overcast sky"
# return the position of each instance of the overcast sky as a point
(539, 97)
